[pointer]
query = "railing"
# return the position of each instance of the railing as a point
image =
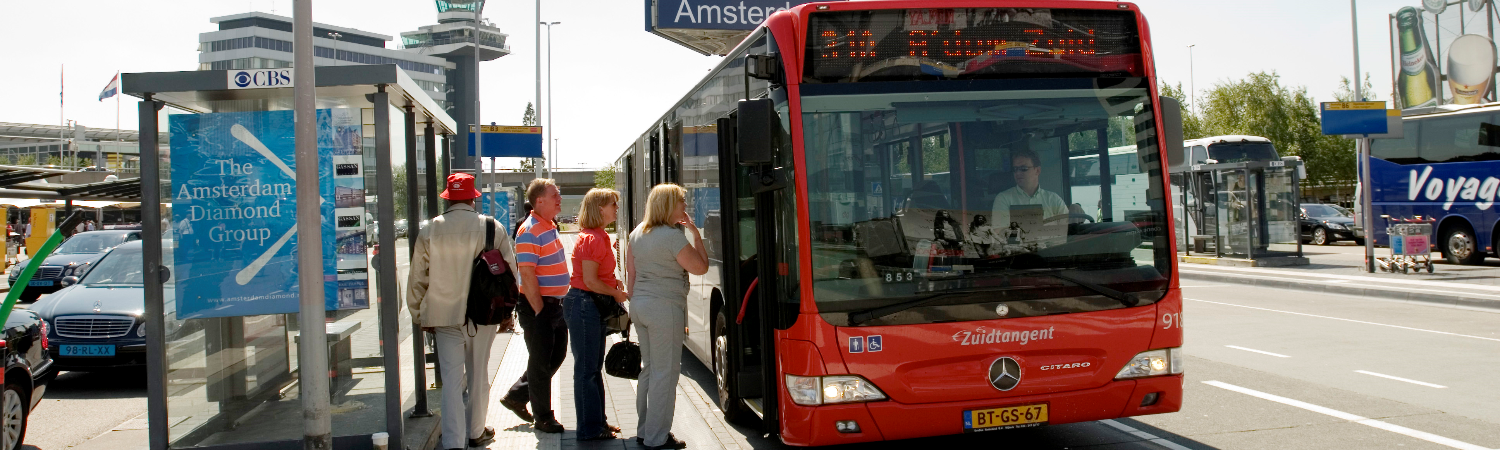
(437, 42)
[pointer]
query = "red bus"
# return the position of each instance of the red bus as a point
(905, 239)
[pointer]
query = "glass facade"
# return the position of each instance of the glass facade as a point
(321, 52)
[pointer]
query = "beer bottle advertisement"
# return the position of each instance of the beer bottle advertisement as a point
(1417, 81)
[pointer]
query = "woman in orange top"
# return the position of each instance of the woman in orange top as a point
(593, 275)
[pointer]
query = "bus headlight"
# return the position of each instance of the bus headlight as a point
(1167, 361)
(832, 389)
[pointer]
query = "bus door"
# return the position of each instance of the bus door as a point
(760, 271)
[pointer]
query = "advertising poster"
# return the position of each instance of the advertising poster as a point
(235, 213)
(1443, 56)
(502, 208)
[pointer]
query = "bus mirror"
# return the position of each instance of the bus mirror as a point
(755, 131)
(763, 67)
(1171, 121)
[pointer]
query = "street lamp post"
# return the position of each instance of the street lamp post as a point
(336, 36)
(551, 158)
(478, 134)
(1192, 84)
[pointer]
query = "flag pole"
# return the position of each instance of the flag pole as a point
(118, 91)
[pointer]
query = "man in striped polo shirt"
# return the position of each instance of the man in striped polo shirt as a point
(544, 281)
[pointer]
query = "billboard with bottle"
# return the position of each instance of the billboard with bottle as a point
(1444, 53)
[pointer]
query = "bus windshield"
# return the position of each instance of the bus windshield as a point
(926, 191)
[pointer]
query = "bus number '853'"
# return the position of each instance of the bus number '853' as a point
(900, 277)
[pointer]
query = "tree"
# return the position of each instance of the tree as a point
(54, 161)
(605, 178)
(26, 160)
(398, 188)
(1192, 126)
(527, 165)
(529, 119)
(1260, 105)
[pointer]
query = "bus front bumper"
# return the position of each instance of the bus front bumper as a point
(890, 420)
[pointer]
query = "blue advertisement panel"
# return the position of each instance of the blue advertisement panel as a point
(235, 212)
(501, 210)
(714, 14)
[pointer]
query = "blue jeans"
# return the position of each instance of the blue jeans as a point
(588, 361)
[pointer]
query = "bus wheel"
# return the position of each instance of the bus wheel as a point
(733, 407)
(1458, 246)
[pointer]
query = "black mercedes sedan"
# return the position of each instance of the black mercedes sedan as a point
(71, 258)
(28, 369)
(1323, 224)
(96, 322)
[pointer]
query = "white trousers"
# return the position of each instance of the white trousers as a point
(465, 360)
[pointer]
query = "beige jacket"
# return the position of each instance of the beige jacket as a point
(438, 286)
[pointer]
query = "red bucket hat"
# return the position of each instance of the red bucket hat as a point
(460, 187)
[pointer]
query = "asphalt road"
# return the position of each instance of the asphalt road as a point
(1286, 369)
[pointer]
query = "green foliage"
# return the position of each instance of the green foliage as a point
(26, 160)
(1192, 125)
(529, 118)
(398, 186)
(1259, 105)
(528, 165)
(54, 161)
(605, 178)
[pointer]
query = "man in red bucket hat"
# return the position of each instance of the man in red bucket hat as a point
(438, 289)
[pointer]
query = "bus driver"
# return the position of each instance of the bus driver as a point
(1026, 167)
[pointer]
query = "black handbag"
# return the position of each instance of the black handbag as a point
(611, 313)
(624, 359)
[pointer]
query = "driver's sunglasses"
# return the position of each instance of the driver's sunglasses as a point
(1022, 168)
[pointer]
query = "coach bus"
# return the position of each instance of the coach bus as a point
(1444, 169)
(861, 174)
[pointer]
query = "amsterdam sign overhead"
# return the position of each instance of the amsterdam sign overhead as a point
(710, 27)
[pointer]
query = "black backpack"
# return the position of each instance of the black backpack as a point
(492, 287)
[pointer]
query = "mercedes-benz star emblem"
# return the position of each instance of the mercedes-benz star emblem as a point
(1001, 310)
(1005, 374)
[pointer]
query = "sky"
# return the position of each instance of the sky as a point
(612, 78)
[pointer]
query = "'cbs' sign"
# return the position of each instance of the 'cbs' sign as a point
(260, 78)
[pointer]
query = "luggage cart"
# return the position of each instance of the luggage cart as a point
(1410, 246)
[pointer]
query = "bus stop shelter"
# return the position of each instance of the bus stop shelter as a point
(221, 339)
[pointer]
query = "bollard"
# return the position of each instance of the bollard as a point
(381, 440)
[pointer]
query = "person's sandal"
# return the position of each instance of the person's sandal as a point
(611, 428)
(604, 436)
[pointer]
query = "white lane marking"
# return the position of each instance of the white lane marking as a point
(1373, 283)
(1429, 437)
(1354, 278)
(1408, 380)
(1347, 320)
(1143, 435)
(1278, 355)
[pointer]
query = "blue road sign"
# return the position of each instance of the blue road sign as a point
(509, 142)
(1356, 118)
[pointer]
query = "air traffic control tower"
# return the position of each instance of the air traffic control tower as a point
(454, 39)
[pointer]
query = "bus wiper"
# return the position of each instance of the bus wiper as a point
(1125, 298)
(856, 318)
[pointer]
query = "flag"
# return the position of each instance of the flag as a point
(110, 89)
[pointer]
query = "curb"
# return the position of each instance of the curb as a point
(1346, 289)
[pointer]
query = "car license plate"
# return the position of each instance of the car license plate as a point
(40, 283)
(1023, 416)
(88, 350)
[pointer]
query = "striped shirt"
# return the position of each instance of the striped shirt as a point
(538, 245)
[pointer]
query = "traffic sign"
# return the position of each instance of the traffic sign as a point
(1361, 119)
(503, 141)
